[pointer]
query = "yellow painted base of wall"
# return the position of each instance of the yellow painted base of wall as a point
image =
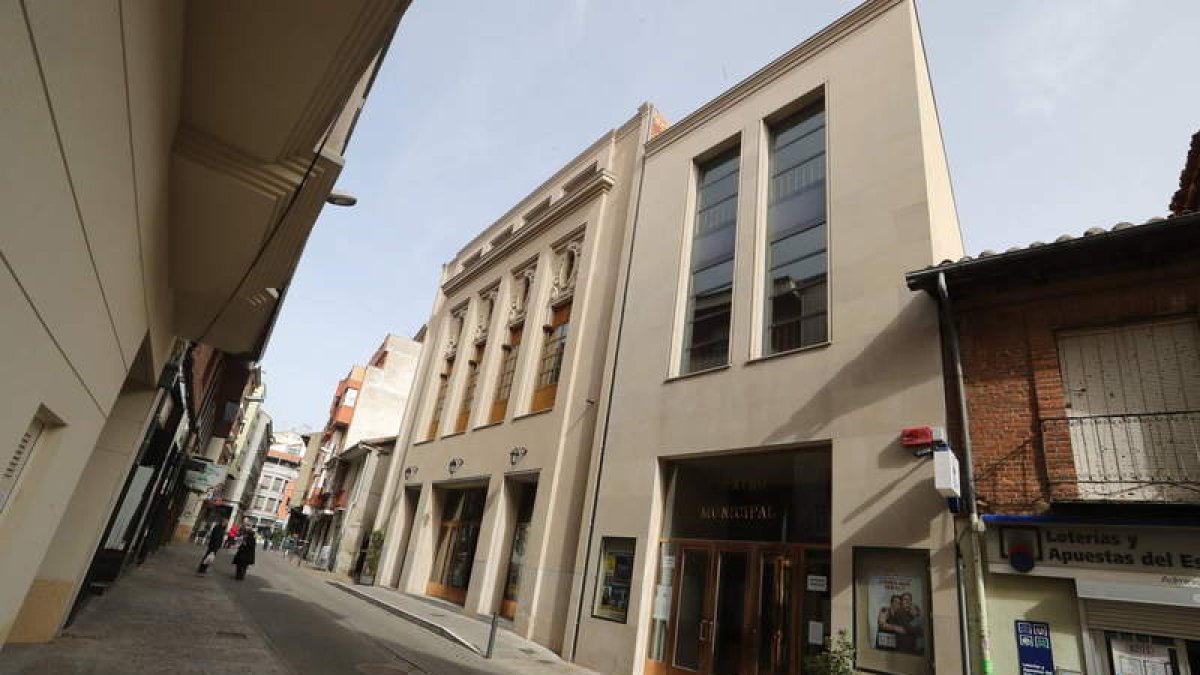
(43, 611)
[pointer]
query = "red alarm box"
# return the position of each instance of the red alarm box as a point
(918, 436)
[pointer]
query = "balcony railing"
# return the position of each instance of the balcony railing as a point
(1130, 457)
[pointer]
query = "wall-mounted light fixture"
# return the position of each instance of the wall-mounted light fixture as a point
(517, 454)
(409, 472)
(455, 464)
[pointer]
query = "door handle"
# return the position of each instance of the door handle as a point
(705, 630)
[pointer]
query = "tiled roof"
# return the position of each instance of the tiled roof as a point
(1066, 241)
(1187, 198)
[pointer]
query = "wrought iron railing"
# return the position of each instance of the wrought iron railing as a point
(1131, 457)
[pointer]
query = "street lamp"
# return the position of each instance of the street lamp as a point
(341, 198)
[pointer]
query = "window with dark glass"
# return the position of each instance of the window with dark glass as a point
(439, 404)
(462, 514)
(797, 300)
(508, 368)
(464, 411)
(706, 334)
(550, 367)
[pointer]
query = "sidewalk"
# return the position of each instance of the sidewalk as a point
(160, 617)
(511, 652)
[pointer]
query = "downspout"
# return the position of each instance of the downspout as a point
(976, 526)
(636, 203)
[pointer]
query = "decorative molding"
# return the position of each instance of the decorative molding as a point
(601, 182)
(829, 36)
(567, 259)
(517, 301)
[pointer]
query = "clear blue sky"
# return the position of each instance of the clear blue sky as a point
(1057, 116)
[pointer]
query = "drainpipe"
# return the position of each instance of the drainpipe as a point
(976, 526)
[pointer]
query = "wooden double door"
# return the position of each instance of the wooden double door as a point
(741, 608)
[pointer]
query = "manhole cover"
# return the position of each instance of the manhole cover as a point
(381, 669)
(232, 634)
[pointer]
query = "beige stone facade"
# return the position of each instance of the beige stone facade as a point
(497, 440)
(165, 164)
(821, 416)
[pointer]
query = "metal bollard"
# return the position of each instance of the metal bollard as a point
(491, 638)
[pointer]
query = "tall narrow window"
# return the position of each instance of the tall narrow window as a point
(10, 470)
(706, 335)
(439, 404)
(550, 367)
(464, 411)
(796, 309)
(508, 367)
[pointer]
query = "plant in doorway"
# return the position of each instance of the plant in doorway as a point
(371, 562)
(837, 659)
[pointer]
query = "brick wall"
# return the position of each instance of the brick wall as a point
(1011, 370)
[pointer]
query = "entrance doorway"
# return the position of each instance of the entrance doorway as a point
(462, 514)
(743, 608)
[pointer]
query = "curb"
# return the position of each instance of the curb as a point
(408, 616)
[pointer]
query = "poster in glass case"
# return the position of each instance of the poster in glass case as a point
(614, 577)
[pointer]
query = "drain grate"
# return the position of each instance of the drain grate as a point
(232, 634)
(381, 669)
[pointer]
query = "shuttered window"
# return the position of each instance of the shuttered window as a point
(17, 460)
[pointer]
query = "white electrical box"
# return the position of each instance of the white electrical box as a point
(945, 473)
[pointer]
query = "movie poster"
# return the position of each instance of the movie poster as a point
(891, 611)
(899, 619)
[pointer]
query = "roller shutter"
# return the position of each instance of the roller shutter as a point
(1132, 617)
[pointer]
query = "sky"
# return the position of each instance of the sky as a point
(1057, 116)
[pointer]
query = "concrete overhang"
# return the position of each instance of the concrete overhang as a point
(271, 90)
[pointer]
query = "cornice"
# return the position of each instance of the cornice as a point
(827, 37)
(602, 181)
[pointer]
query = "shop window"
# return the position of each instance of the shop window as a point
(614, 578)
(524, 494)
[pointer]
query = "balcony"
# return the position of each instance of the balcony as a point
(1128, 458)
(341, 499)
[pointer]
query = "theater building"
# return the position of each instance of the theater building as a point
(1081, 365)
(483, 511)
(748, 494)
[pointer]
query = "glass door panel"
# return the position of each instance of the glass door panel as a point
(690, 625)
(775, 603)
(730, 612)
(817, 611)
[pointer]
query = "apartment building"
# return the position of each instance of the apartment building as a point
(748, 494)
(166, 163)
(268, 510)
(356, 448)
(484, 510)
(1081, 376)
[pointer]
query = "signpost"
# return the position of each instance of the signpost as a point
(1033, 648)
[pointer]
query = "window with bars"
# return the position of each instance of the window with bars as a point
(464, 411)
(508, 368)
(797, 300)
(550, 366)
(439, 403)
(706, 334)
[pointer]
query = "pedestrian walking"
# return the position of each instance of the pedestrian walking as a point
(245, 553)
(216, 536)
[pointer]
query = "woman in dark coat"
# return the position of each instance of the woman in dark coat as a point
(216, 537)
(245, 553)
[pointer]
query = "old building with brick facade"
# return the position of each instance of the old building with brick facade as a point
(1080, 364)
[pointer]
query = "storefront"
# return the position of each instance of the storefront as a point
(1102, 599)
(743, 565)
